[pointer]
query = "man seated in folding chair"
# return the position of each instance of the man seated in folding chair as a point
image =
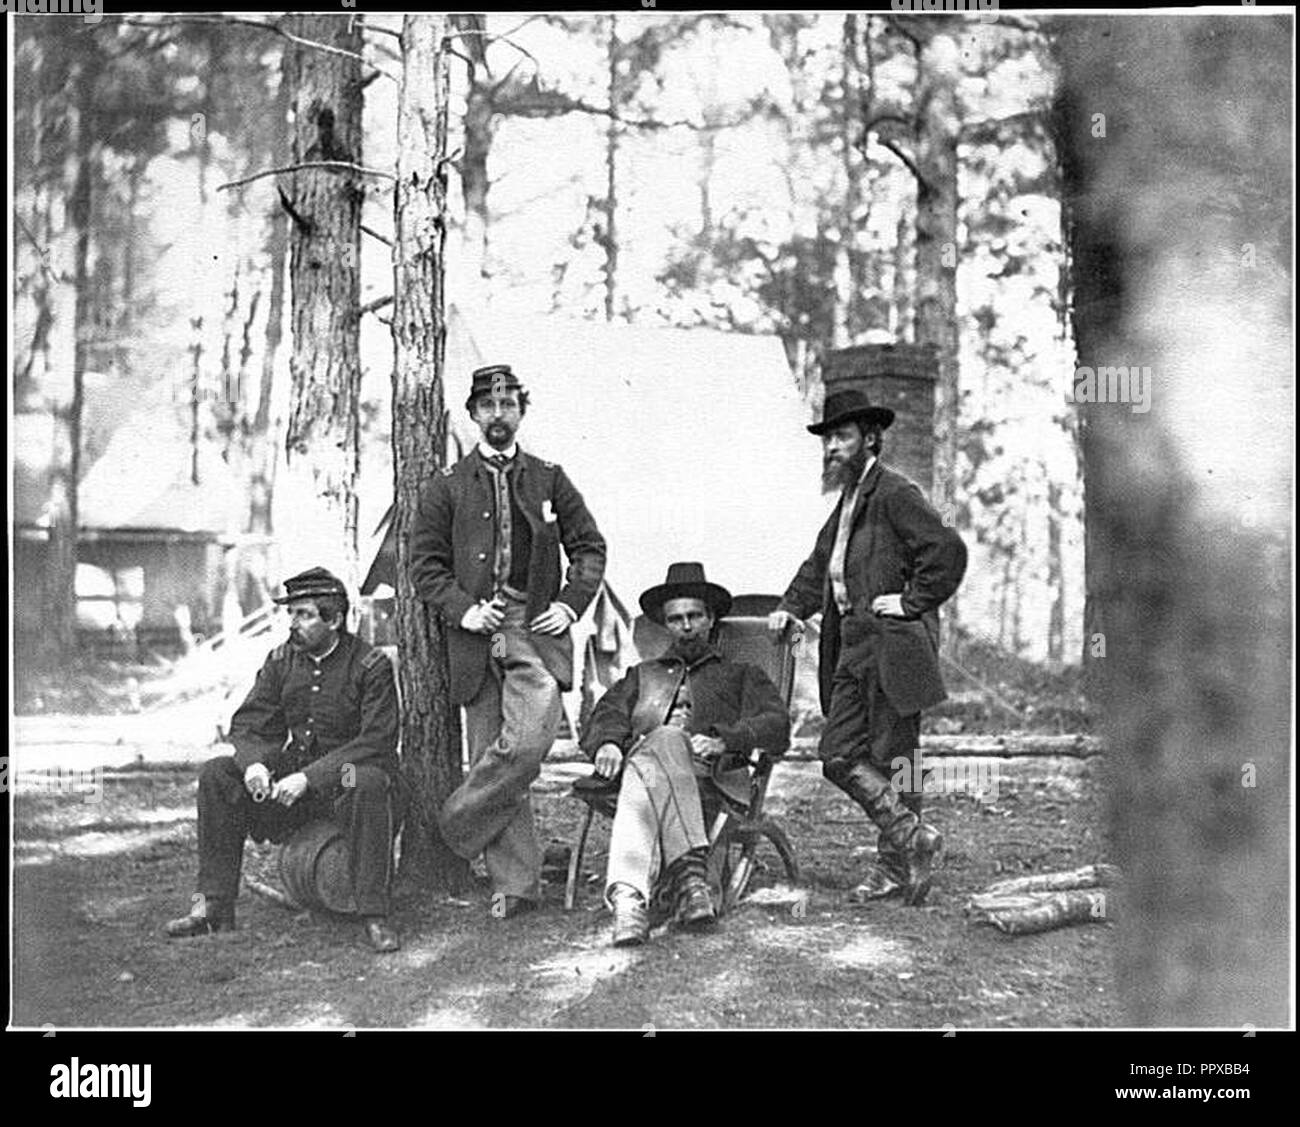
(679, 729)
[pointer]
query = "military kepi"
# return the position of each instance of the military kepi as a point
(851, 406)
(310, 583)
(685, 581)
(493, 377)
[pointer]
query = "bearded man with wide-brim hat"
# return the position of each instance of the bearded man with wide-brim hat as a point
(673, 733)
(881, 567)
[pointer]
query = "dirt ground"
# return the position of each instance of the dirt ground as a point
(94, 883)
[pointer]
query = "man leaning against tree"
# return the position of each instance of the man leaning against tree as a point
(485, 553)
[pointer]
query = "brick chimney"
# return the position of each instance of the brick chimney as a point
(902, 377)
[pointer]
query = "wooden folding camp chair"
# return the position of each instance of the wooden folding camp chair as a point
(738, 830)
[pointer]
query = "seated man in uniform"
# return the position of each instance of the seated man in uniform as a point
(677, 728)
(316, 737)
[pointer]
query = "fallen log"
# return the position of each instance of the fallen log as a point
(1042, 911)
(271, 893)
(1090, 876)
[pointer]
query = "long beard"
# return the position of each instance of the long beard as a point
(690, 649)
(838, 475)
(499, 435)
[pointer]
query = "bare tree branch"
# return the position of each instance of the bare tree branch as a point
(381, 30)
(894, 148)
(274, 29)
(888, 119)
(376, 235)
(327, 165)
(378, 303)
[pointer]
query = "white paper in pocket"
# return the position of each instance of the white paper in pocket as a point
(548, 511)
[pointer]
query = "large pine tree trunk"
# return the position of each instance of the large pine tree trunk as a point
(59, 614)
(847, 301)
(321, 455)
(1175, 146)
(481, 117)
(262, 453)
(936, 257)
(430, 725)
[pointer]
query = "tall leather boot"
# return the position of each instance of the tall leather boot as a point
(916, 844)
(690, 881)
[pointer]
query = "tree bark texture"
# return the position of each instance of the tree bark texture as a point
(936, 263)
(1175, 150)
(321, 442)
(59, 637)
(430, 724)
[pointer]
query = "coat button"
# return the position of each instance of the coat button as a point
(482, 555)
(487, 515)
(315, 688)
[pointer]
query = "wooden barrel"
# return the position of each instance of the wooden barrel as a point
(315, 868)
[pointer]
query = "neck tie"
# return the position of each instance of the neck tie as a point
(505, 529)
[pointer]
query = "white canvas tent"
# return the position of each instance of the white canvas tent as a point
(687, 444)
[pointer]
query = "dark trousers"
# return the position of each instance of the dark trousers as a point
(370, 811)
(863, 726)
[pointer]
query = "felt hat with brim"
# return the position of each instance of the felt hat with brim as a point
(685, 581)
(851, 406)
(310, 583)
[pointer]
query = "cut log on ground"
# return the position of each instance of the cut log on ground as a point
(1090, 876)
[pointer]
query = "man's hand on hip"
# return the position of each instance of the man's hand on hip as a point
(609, 758)
(289, 789)
(888, 606)
(483, 618)
(555, 620)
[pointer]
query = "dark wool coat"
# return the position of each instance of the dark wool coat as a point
(897, 543)
(734, 701)
(317, 717)
(452, 546)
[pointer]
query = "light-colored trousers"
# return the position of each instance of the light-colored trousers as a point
(510, 725)
(659, 815)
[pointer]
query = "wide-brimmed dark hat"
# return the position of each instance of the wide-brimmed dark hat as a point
(851, 406)
(493, 377)
(310, 583)
(685, 581)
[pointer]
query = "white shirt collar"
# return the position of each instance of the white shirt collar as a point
(490, 452)
(871, 461)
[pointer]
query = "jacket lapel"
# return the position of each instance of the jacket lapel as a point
(869, 484)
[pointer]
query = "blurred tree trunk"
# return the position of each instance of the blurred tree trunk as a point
(321, 442)
(613, 134)
(847, 273)
(1055, 578)
(937, 127)
(904, 283)
(59, 614)
(430, 725)
(480, 125)
(1181, 268)
(262, 455)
